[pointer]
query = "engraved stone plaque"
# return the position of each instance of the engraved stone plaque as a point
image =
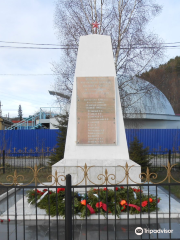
(96, 123)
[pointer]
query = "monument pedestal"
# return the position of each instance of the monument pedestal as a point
(98, 171)
(96, 135)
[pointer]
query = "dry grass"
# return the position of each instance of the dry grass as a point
(174, 189)
(27, 174)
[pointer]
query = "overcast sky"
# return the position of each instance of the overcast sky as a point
(33, 22)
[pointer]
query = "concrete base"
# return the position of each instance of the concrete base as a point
(97, 171)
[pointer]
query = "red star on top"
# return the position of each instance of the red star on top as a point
(95, 25)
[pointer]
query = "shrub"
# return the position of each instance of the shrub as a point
(61, 139)
(139, 154)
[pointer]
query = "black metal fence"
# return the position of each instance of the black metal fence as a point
(159, 159)
(22, 161)
(21, 221)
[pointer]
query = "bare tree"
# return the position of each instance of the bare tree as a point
(135, 49)
(20, 113)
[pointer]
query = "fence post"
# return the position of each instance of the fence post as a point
(169, 156)
(3, 161)
(68, 209)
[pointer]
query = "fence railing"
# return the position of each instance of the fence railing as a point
(159, 159)
(23, 160)
(83, 212)
(104, 176)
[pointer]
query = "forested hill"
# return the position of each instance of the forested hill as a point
(167, 79)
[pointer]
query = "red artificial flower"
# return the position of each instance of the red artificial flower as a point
(158, 200)
(9, 220)
(41, 193)
(122, 187)
(123, 202)
(83, 202)
(38, 191)
(60, 190)
(1, 220)
(44, 190)
(143, 204)
(136, 190)
(99, 204)
(150, 200)
(105, 189)
(117, 188)
(50, 192)
(103, 205)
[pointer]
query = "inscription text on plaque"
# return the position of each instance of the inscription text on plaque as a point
(96, 123)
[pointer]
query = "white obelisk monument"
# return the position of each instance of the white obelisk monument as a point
(96, 133)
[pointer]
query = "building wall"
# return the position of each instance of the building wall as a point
(4, 124)
(135, 123)
(50, 121)
(53, 121)
(151, 124)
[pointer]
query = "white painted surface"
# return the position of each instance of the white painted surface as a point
(51, 121)
(4, 195)
(152, 121)
(153, 116)
(95, 59)
(113, 166)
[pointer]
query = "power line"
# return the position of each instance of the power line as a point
(36, 47)
(70, 48)
(29, 74)
(52, 44)
(39, 44)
